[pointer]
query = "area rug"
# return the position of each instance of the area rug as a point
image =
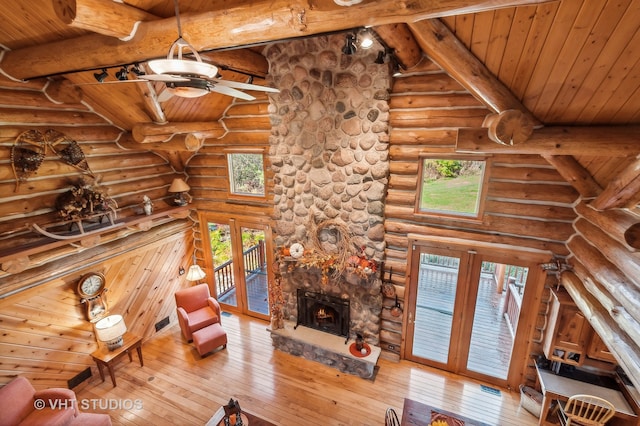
(415, 413)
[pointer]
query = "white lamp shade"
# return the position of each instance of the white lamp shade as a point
(110, 328)
(195, 273)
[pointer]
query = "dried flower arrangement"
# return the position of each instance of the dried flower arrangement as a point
(83, 201)
(332, 260)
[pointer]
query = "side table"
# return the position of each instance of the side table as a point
(105, 357)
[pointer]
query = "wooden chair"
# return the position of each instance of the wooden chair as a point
(587, 410)
(391, 418)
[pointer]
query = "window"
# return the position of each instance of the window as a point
(246, 173)
(451, 186)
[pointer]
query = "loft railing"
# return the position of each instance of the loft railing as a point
(254, 262)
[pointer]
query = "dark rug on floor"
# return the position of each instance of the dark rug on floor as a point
(418, 414)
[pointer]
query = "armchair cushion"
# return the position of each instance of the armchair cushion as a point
(21, 404)
(196, 309)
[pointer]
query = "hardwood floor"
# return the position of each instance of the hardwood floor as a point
(177, 387)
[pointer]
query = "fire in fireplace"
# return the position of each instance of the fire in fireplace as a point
(323, 312)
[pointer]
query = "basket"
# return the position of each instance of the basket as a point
(531, 400)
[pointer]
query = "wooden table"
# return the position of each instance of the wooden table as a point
(104, 357)
(558, 387)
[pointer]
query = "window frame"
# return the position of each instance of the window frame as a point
(482, 193)
(246, 197)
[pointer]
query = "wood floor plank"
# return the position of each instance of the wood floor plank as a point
(178, 387)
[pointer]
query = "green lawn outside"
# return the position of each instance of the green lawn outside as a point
(451, 195)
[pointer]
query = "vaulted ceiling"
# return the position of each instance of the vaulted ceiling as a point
(568, 62)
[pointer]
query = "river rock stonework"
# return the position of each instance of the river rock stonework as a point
(329, 151)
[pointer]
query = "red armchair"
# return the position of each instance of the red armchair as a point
(196, 309)
(21, 404)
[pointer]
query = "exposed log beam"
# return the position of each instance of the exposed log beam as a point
(248, 24)
(510, 127)
(150, 133)
(405, 47)
(573, 172)
(620, 224)
(105, 17)
(623, 348)
(623, 190)
(614, 141)
(442, 46)
(62, 91)
(190, 142)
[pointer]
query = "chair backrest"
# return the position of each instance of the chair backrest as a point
(589, 410)
(192, 298)
(391, 418)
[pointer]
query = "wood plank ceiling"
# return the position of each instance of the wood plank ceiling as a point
(568, 62)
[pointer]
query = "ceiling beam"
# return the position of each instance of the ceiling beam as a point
(599, 141)
(105, 17)
(243, 25)
(623, 191)
(442, 46)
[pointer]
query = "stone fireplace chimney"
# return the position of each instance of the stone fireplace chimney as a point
(329, 152)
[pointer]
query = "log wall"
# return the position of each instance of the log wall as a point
(46, 336)
(528, 204)
(247, 127)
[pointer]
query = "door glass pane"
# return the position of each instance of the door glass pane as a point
(220, 239)
(255, 270)
(496, 317)
(437, 283)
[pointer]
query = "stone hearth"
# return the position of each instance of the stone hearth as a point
(325, 348)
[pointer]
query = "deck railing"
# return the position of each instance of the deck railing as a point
(512, 307)
(254, 262)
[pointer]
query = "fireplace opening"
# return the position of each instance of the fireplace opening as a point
(323, 312)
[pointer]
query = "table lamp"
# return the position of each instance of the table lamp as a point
(110, 330)
(180, 190)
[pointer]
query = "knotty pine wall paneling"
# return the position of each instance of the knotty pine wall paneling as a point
(45, 335)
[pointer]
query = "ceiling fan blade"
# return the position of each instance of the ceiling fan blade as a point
(230, 92)
(163, 77)
(165, 95)
(246, 86)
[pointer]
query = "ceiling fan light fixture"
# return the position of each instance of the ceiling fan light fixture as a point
(181, 66)
(190, 89)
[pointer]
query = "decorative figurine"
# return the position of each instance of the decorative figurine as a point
(147, 205)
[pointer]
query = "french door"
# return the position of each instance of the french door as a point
(239, 255)
(465, 310)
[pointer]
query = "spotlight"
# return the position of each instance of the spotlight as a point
(349, 45)
(122, 74)
(250, 80)
(101, 75)
(365, 39)
(135, 68)
(380, 58)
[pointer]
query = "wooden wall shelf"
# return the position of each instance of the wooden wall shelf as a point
(16, 259)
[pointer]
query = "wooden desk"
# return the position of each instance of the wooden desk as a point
(558, 387)
(105, 357)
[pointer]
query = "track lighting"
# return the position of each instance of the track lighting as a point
(122, 74)
(135, 68)
(380, 58)
(365, 39)
(100, 76)
(349, 45)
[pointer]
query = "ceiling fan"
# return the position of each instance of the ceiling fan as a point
(189, 78)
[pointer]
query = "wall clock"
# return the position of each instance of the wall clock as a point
(91, 289)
